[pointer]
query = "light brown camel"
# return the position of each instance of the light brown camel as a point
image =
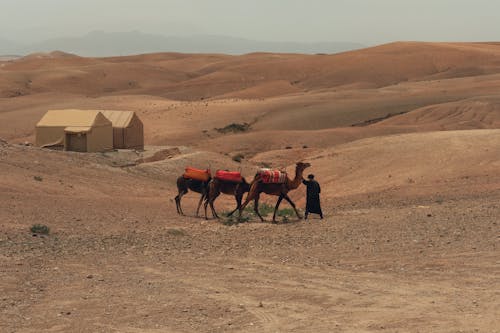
(183, 187)
(281, 190)
(218, 186)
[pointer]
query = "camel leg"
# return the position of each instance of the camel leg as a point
(247, 200)
(210, 194)
(203, 196)
(211, 202)
(287, 198)
(277, 206)
(214, 212)
(238, 198)
(256, 208)
(178, 202)
(205, 204)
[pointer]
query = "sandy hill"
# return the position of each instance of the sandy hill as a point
(182, 96)
(444, 163)
(192, 77)
(404, 139)
(426, 164)
(288, 99)
(473, 113)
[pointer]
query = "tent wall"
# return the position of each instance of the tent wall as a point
(49, 136)
(133, 135)
(100, 139)
(129, 137)
(118, 138)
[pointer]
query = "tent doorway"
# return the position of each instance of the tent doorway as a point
(76, 142)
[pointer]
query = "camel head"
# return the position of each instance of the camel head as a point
(301, 166)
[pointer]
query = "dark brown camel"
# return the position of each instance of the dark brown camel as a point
(281, 190)
(218, 186)
(183, 187)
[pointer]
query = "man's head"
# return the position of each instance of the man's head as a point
(310, 176)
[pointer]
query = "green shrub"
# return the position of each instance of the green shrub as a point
(232, 220)
(264, 210)
(238, 157)
(176, 232)
(286, 212)
(40, 229)
(234, 128)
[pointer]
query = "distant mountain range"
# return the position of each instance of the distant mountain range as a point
(100, 43)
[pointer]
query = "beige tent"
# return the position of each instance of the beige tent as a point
(128, 130)
(76, 130)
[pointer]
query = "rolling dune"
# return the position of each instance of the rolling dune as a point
(404, 139)
(186, 76)
(271, 91)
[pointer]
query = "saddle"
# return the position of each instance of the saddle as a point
(229, 176)
(197, 174)
(270, 176)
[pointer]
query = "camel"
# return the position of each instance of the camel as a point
(281, 190)
(183, 187)
(218, 186)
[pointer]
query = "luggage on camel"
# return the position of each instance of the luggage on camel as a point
(197, 174)
(272, 176)
(229, 176)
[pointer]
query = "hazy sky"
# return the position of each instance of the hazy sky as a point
(365, 21)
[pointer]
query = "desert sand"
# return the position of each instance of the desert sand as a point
(404, 139)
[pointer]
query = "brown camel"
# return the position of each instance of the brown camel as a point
(281, 190)
(218, 186)
(183, 187)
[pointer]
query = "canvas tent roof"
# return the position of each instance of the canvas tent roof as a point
(72, 118)
(119, 118)
(77, 129)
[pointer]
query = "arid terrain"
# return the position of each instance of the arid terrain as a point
(404, 139)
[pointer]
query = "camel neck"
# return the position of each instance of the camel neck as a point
(295, 183)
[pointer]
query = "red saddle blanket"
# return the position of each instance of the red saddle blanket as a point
(230, 176)
(272, 176)
(197, 174)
